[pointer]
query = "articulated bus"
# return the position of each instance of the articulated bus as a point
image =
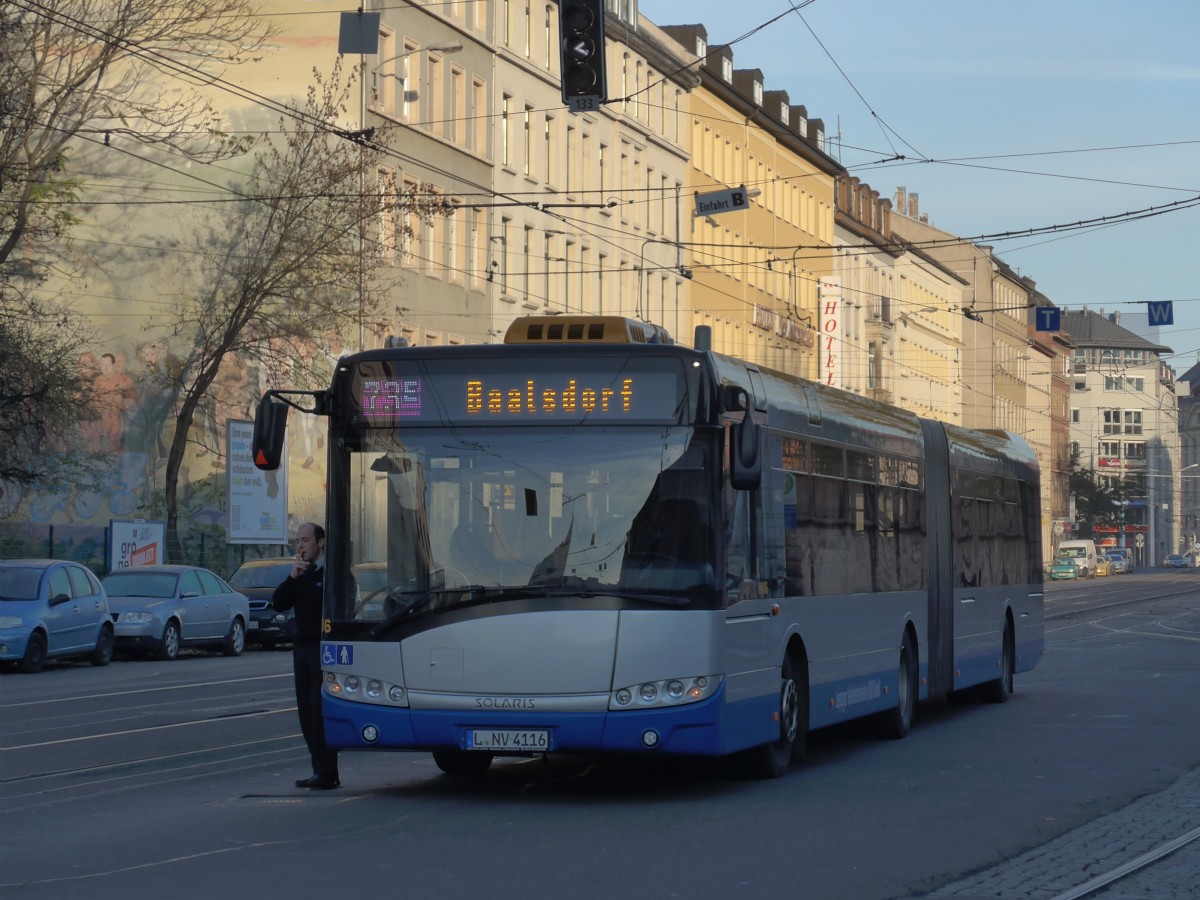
(590, 539)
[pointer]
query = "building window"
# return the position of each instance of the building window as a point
(478, 117)
(452, 265)
(527, 164)
(435, 113)
(408, 94)
(506, 130)
(458, 106)
(387, 212)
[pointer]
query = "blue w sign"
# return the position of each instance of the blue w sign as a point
(1160, 313)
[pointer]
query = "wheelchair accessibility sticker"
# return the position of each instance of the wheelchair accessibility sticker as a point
(337, 654)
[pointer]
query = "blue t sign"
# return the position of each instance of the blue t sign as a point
(1049, 318)
(1161, 312)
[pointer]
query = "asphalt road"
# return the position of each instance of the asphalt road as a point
(174, 780)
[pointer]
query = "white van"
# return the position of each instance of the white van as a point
(1082, 553)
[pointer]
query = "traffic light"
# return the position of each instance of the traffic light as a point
(581, 37)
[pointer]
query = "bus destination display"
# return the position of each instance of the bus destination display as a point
(496, 398)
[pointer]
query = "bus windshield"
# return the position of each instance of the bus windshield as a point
(438, 518)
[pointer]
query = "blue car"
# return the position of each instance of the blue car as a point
(52, 609)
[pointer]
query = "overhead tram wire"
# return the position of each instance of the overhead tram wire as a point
(699, 62)
(287, 110)
(198, 76)
(884, 127)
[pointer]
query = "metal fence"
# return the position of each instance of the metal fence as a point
(88, 544)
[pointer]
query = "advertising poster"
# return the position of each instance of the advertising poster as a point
(257, 499)
(135, 542)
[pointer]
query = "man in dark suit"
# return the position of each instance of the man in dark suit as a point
(303, 591)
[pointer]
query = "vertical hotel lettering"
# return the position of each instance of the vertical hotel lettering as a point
(532, 399)
(831, 324)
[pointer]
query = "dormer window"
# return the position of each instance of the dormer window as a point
(802, 126)
(785, 113)
(820, 138)
(758, 93)
(701, 49)
(727, 69)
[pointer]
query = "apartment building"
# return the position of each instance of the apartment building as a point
(996, 306)
(757, 271)
(1125, 426)
(900, 331)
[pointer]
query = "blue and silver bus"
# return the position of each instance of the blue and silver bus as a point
(590, 539)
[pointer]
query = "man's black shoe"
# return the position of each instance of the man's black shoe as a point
(319, 783)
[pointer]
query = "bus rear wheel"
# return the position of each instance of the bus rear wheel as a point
(997, 691)
(773, 760)
(462, 762)
(895, 723)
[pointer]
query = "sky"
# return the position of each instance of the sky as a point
(1011, 115)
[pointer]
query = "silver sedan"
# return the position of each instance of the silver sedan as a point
(161, 609)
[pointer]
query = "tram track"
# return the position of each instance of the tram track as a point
(1153, 592)
(1126, 872)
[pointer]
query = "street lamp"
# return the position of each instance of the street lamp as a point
(435, 47)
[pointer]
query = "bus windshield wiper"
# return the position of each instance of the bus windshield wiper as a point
(468, 594)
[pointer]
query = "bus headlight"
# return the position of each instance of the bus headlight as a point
(668, 692)
(365, 690)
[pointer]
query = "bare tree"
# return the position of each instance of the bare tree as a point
(301, 257)
(74, 71)
(46, 399)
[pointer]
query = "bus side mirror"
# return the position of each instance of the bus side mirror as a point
(745, 462)
(270, 429)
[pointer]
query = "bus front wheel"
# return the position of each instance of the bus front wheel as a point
(772, 760)
(462, 762)
(997, 691)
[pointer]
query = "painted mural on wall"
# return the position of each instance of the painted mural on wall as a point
(138, 393)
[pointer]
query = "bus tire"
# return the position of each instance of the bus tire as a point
(462, 762)
(895, 723)
(997, 691)
(772, 760)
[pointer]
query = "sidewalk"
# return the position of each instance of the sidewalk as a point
(1098, 848)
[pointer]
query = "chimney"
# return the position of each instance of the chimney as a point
(914, 207)
(901, 200)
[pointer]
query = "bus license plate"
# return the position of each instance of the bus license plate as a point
(507, 739)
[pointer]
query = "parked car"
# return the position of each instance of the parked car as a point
(1175, 561)
(371, 578)
(1103, 566)
(52, 609)
(1118, 565)
(1063, 570)
(1124, 552)
(257, 579)
(164, 608)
